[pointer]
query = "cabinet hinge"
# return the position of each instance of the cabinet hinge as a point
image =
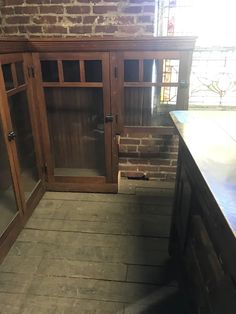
(45, 169)
(116, 72)
(31, 71)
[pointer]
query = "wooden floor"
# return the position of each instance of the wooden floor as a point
(93, 253)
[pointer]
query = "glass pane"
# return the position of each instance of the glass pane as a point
(93, 70)
(168, 95)
(151, 70)
(170, 71)
(71, 71)
(131, 70)
(76, 127)
(7, 75)
(149, 106)
(8, 206)
(20, 73)
(49, 71)
(24, 141)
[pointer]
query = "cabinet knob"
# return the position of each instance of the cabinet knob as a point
(109, 118)
(11, 136)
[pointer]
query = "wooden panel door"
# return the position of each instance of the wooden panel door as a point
(21, 126)
(74, 97)
(146, 86)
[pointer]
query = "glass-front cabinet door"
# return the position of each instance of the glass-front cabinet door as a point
(8, 204)
(20, 126)
(148, 85)
(77, 120)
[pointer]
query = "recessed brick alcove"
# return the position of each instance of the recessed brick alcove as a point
(148, 153)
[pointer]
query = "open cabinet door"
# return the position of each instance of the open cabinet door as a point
(20, 128)
(77, 122)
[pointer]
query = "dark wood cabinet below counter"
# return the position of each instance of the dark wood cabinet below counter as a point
(203, 226)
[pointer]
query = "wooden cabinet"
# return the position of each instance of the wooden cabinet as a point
(63, 103)
(88, 91)
(202, 232)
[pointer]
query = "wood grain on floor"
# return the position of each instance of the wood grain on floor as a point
(92, 253)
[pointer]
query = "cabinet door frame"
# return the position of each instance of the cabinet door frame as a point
(118, 83)
(25, 206)
(106, 183)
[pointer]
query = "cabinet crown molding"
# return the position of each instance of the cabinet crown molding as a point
(12, 44)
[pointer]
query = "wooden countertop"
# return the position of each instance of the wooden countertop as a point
(210, 137)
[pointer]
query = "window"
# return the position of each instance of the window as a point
(213, 77)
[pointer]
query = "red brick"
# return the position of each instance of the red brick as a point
(103, 9)
(133, 9)
(147, 168)
(44, 19)
(129, 141)
(159, 161)
(147, 149)
(106, 29)
(26, 10)
(80, 29)
(55, 29)
(78, 9)
(7, 10)
(89, 19)
(57, 9)
(22, 29)
(125, 20)
(74, 20)
(132, 29)
(17, 20)
(10, 29)
(34, 29)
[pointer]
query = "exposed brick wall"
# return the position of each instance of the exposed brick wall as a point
(154, 156)
(73, 17)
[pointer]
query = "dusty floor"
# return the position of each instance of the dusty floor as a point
(93, 253)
